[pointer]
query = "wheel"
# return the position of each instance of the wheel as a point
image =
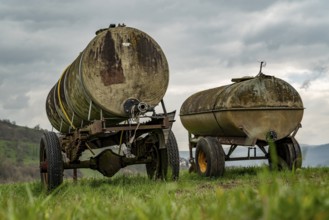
(210, 157)
(165, 161)
(173, 157)
(157, 168)
(51, 161)
(153, 169)
(286, 153)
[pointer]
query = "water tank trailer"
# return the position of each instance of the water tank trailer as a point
(253, 112)
(105, 99)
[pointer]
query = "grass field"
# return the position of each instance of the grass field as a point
(243, 193)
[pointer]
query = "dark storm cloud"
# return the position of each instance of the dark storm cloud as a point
(45, 16)
(292, 24)
(287, 34)
(251, 6)
(12, 101)
(28, 54)
(317, 73)
(206, 43)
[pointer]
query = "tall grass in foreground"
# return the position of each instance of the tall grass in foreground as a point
(243, 193)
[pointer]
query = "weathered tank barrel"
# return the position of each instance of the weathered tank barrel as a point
(250, 107)
(119, 65)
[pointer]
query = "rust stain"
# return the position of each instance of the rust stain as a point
(259, 92)
(148, 55)
(112, 73)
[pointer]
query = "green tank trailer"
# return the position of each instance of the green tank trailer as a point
(253, 112)
(106, 100)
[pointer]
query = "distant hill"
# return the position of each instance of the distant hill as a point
(19, 152)
(315, 156)
(9, 131)
(19, 144)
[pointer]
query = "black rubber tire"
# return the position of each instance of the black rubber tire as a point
(165, 164)
(154, 169)
(298, 154)
(288, 154)
(157, 169)
(210, 157)
(173, 157)
(51, 160)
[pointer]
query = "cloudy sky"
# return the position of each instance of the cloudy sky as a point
(206, 43)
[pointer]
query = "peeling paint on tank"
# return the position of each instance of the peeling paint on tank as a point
(255, 104)
(118, 64)
(112, 73)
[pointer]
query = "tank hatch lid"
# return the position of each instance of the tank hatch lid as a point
(245, 78)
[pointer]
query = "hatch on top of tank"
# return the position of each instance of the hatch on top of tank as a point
(245, 78)
(260, 74)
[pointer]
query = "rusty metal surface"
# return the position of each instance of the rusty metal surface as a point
(53, 116)
(74, 143)
(97, 127)
(124, 63)
(118, 64)
(106, 168)
(43, 167)
(243, 141)
(251, 107)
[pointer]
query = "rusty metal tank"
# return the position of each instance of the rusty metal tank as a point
(120, 66)
(250, 107)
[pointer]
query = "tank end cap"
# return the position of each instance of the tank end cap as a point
(129, 104)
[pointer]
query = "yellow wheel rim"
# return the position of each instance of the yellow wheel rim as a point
(202, 161)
